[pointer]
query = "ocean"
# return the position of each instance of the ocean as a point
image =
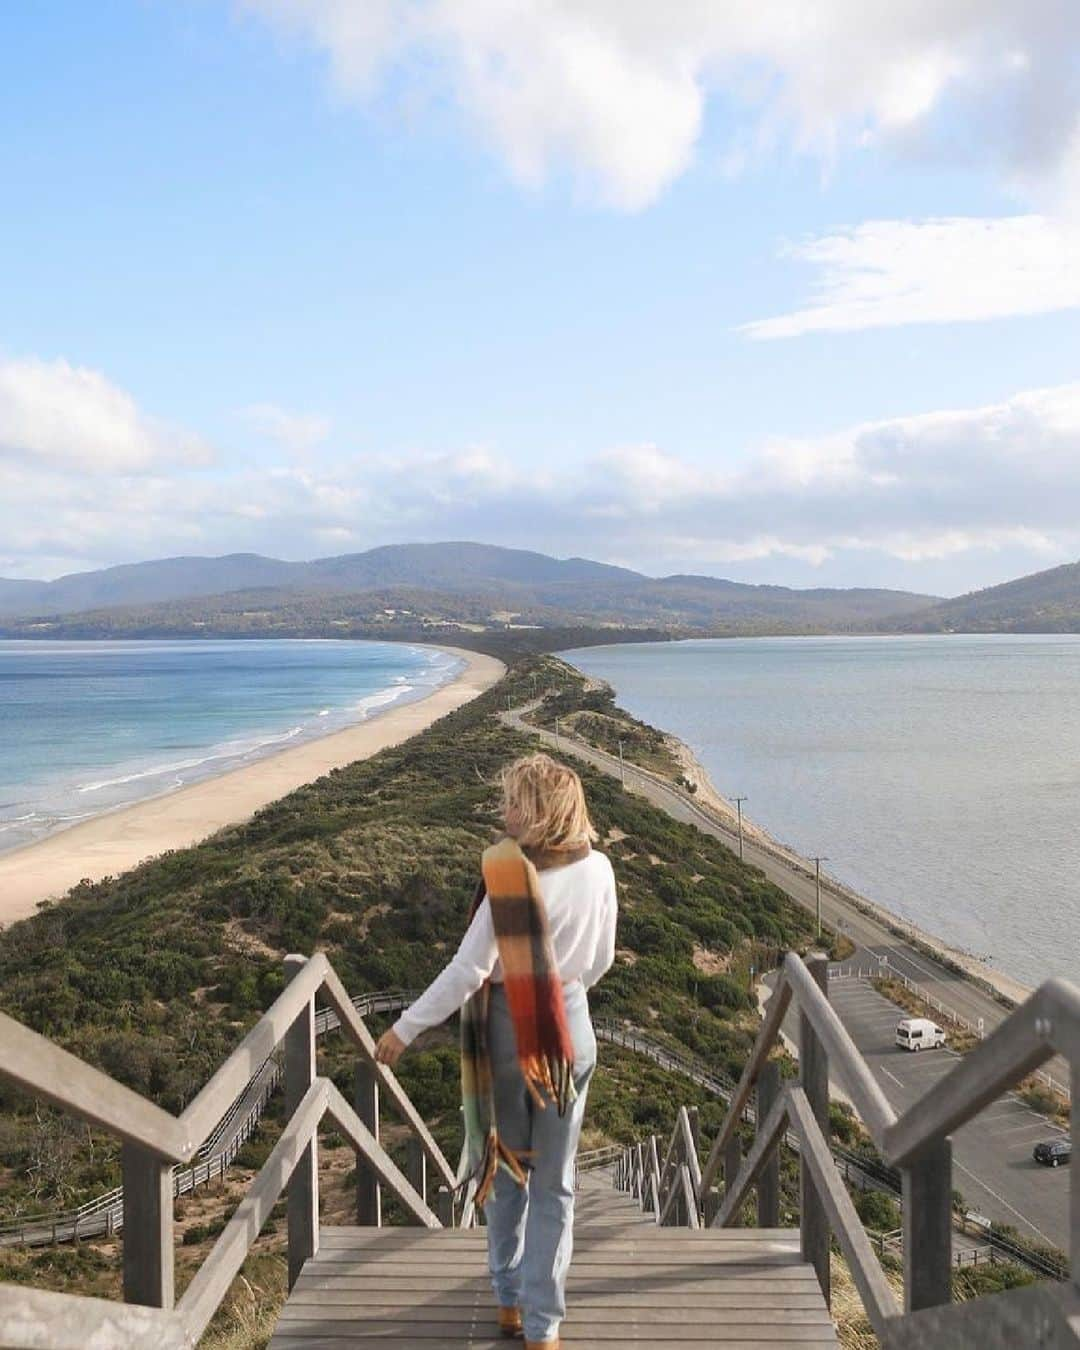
(86, 727)
(940, 776)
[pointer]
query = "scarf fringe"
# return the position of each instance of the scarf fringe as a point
(550, 1080)
(495, 1155)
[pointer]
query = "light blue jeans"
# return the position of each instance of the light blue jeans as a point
(530, 1228)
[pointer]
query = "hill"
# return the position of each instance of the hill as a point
(1043, 602)
(429, 583)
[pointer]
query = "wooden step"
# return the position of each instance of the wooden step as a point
(630, 1283)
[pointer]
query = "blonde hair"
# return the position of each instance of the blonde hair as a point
(549, 802)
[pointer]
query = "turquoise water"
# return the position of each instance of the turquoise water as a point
(939, 775)
(86, 727)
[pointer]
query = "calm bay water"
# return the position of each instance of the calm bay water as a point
(940, 775)
(86, 727)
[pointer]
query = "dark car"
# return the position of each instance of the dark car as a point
(1053, 1154)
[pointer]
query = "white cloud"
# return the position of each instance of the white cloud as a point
(296, 433)
(887, 272)
(945, 488)
(616, 92)
(55, 413)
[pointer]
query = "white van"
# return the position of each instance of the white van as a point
(919, 1033)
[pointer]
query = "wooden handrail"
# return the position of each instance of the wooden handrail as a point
(358, 1134)
(354, 1027)
(211, 1281)
(40, 1317)
(688, 1197)
(153, 1141)
(767, 1037)
(43, 1069)
(211, 1103)
(769, 1133)
(877, 1297)
(845, 1060)
(104, 1213)
(918, 1143)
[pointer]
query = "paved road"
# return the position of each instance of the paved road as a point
(992, 1164)
(872, 939)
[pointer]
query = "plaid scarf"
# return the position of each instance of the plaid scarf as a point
(535, 997)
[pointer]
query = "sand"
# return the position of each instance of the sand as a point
(113, 842)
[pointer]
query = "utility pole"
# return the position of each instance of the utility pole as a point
(738, 806)
(817, 890)
(622, 765)
(557, 734)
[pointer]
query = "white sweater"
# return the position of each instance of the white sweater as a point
(581, 909)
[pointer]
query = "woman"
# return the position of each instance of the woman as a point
(542, 932)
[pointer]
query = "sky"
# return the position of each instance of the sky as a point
(785, 293)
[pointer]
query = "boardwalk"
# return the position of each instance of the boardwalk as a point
(631, 1283)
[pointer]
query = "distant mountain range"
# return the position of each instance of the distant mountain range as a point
(410, 586)
(458, 581)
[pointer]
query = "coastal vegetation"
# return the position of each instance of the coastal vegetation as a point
(156, 974)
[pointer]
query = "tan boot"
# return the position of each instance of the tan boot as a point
(510, 1322)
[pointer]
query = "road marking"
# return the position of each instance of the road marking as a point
(893, 1076)
(1002, 1201)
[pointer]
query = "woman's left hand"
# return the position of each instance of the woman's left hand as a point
(389, 1048)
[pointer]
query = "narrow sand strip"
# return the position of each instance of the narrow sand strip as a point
(112, 843)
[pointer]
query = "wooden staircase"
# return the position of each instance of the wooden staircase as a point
(630, 1283)
(662, 1258)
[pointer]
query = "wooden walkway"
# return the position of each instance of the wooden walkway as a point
(630, 1283)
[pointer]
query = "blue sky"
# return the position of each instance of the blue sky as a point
(304, 276)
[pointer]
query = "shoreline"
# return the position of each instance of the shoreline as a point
(713, 805)
(117, 840)
(1000, 984)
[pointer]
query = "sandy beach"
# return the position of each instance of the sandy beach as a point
(113, 842)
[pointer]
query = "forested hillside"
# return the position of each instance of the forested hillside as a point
(418, 584)
(1044, 602)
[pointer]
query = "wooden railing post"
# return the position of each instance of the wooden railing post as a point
(416, 1167)
(694, 1117)
(814, 1079)
(768, 1186)
(732, 1163)
(368, 1191)
(303, 1193)
(148, 1228)
(926, 1188)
